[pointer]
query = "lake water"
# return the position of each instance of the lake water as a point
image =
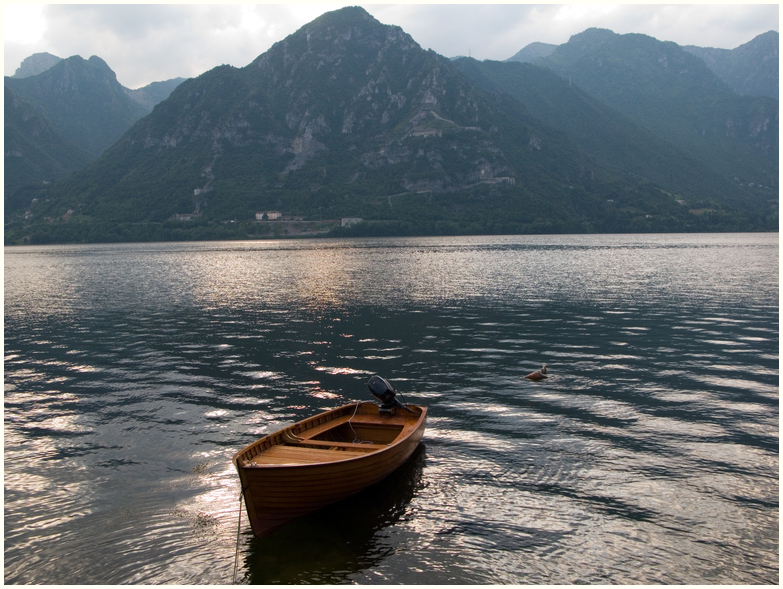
(134, 372)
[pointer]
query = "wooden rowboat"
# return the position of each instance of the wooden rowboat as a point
(323, 459)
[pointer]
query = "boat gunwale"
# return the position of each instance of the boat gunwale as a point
(400, 439)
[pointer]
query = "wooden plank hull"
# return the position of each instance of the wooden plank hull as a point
(323, 459)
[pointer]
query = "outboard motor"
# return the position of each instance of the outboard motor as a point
(385, 393)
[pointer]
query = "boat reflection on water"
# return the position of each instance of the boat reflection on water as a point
(335, 542)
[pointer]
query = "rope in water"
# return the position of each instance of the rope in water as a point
(239, 529)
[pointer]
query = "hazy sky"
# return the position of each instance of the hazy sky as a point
(144, 43)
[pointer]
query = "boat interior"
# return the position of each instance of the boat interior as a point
(342, 438)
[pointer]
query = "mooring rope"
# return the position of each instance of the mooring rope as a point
(239, 529)
(356, 436)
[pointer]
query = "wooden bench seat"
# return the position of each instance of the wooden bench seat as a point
(362, 447)
(301, 455)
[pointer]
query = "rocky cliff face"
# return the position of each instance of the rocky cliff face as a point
(383, 89)
(349, 91)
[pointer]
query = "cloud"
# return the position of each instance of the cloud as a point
(725, 26)
(143, 43)
(499, 31)
(481, 30)
(23, 23)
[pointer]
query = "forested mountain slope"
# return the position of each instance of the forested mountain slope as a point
(676, 96)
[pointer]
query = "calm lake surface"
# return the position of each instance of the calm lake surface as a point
(134, 372)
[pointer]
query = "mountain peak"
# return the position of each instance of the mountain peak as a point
(83, 100)
(533, 51)
(346, 15)
(331, 34)
(592, 36)
(768, 37)
(98, 62)
(36, 64)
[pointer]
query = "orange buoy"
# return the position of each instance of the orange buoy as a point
(538, 374)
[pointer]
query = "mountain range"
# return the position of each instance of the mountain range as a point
(348, 117)
(674, 95)
(84, 107)
(749, 70)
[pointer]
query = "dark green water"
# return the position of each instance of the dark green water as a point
(650, 455)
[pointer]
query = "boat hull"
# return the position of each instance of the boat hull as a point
(307, 466)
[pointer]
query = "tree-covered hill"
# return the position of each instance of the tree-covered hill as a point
(752, 69)
(35, 153)
(83, 101)
(614, 140)
(64, 115)
(673, 94)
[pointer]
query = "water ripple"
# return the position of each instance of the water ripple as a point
(649, 455)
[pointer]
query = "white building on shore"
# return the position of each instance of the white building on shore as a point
(270, 215)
